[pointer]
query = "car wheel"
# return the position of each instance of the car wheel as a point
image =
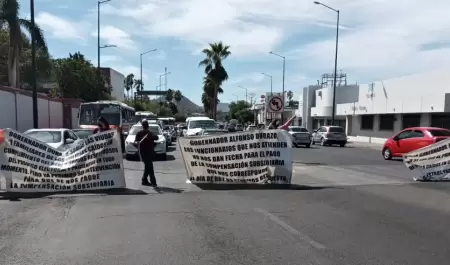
(308, 145)
(322, 142)
(387, 154)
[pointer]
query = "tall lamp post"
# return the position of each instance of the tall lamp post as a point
(271, 83)
(140, 57)
(160, 85)
(335, 59)
(33, 65)
(98, 33)
(284, 72)
(246, 93)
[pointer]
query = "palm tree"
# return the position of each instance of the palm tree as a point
(129, 82)
(169, 95)
(178, 96)
(216, 73)
(9, 16)
(209, 89)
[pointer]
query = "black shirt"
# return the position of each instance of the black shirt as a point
(148, 144)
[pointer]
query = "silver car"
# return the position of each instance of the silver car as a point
(60, 139)
(329, 135)
(300, 136)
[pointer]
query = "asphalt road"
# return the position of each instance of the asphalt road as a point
(382, 223)
(346, 166)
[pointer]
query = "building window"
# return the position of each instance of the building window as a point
(440, 121)
(410, 120)
(387, 122)
(367, 122)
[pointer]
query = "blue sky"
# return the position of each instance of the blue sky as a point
(379, 39)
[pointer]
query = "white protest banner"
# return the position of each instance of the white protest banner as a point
(239, 158)
(431, 163)
(29, 165)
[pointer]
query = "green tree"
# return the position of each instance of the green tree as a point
(215, 71)
(78, 78)
(179, 117)
(237, 106)
(208, 96)
(169, 95)
(128, 83)
(138, 84)
(290, 95)
(9, 19)
(178, 96)
(173, 108)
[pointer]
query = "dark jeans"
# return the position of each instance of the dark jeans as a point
(148, 168)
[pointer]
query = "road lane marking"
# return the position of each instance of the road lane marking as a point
(290, 229)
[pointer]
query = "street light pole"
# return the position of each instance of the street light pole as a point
(142, 83)
(98, 33)
(284, 73)
(271, 83)
(246, 93)
(160, 85)
(33, 65)
(335, 60)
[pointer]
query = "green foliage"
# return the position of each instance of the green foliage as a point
(179, 117)
(169, 95)
(177, 96)
(78, 78)
(138, 84)
(240, 110)
(173, 108)
(129, 83)
(215, 75)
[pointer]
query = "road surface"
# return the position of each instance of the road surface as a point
(404, 223)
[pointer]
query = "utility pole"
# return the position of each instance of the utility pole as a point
(33, 66)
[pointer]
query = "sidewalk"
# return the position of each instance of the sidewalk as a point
(365, 145)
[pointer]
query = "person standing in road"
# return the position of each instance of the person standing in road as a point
(103, 125)
(145, 142)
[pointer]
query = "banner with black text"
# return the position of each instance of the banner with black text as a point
(431, 163)
(29, 165)
(253, 157)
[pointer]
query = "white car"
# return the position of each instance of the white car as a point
(197, 126)
(300, 136)
(160, 145)
(60, 139)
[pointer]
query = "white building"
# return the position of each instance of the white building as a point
(374, 112)
(116, 81)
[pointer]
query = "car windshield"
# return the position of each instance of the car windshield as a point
(83, 133)
(437, 133)
(46, 136)
(298, 129)
(204, 124)
(137, 128)
(89, 113)
(336, 129)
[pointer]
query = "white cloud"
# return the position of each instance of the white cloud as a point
(387, 42)
(61, 28)
(115, 36)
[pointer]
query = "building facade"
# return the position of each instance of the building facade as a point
(376, 111)
(116, 81)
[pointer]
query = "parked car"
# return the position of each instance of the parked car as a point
(239, 127)
(160, 145)
(83, 133)
(329, 135)
(411, 139)
(300, 136)
(61, 139)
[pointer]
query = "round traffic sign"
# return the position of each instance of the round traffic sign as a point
(276, 104)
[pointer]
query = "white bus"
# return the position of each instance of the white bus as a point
(118, 114)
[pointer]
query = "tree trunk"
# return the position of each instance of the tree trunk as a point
(12, 66)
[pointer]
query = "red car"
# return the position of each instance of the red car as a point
(411, 139)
